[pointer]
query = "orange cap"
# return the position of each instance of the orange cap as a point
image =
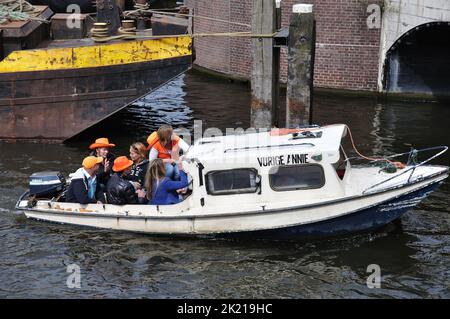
(121, 163)
(101, 142)
(91, 161)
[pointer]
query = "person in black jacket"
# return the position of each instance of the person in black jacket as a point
(101, 148)
(83, 188)
(120, 191)
(138, 154)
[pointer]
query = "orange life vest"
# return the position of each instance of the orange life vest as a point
(153, 141)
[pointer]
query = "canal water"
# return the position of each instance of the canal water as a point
(413, 254)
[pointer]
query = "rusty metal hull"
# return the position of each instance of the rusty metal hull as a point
(57, 104)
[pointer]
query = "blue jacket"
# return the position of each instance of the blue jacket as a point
(166, 193)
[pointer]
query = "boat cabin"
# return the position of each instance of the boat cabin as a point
(268, 168)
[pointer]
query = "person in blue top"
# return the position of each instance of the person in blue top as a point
(161, 190)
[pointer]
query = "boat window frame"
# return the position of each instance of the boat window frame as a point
(296, 188)
(233, 192)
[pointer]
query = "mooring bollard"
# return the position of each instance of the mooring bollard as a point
(108, 12)
(301, 49)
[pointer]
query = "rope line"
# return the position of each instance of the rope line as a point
(18, 10)
(124, 34)
(397, 164)
(143, 9)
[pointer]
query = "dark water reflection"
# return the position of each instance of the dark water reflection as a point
(413, 253)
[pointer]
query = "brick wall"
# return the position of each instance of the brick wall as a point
(346, 50)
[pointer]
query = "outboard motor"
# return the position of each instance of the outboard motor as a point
(46, 184)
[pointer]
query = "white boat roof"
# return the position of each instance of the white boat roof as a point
(223, 148)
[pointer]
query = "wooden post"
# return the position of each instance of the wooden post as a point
(190, 28)
(1, 44)
(276, 70)
(301, 49)
(262, 77)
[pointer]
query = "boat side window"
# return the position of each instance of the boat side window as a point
(295, 177)
(232, 181)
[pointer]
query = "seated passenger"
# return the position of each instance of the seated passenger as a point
(101, 148)
(83, 188)
(161, 190)
(165, 145)
(119, 191)
(138, 154)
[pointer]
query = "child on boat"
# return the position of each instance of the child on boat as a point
(165, 145)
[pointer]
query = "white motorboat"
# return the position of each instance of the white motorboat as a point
(274, 184)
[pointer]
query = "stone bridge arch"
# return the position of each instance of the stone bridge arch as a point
(413, 23)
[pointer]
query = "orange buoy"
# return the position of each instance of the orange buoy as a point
(284, 131)
(399, 165)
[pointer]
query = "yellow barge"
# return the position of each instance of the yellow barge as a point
(64, 86)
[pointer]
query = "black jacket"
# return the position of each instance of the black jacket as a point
(120, 191)
(138, 172)
(78, 190)
(102, 176)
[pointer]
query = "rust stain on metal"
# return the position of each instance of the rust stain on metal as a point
(84, 210)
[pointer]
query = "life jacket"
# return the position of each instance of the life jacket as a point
(153, 141)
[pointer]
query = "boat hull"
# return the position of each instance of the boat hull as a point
(58, 104)
(364, 219)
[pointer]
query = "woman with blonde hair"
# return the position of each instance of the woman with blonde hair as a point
(161, 190)
(138, 154)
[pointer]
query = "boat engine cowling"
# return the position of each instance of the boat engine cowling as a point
(46, 184)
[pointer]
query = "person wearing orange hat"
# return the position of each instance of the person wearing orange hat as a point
(83, 188)
(101, 148)
(120, 191)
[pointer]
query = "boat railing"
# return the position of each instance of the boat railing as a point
(411, 164)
